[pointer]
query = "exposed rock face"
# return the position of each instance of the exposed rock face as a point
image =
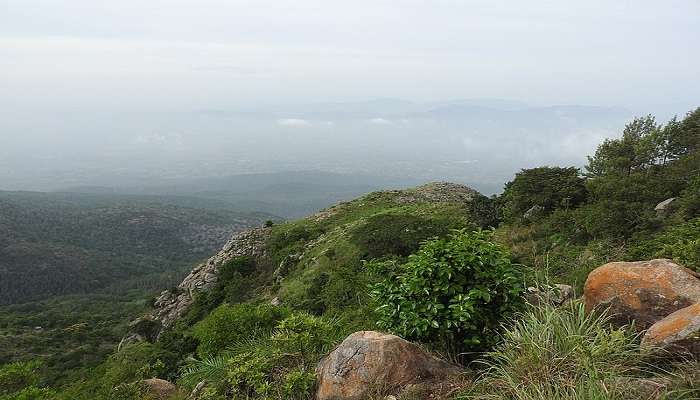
(642, 291)
(159, 388)
(368, 358)
(678, 333)
(170, 306)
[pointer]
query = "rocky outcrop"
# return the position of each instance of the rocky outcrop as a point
(159, 389)
(172, 304)
(366, 360)
(435, 192)
(677, 334)
(642, 291)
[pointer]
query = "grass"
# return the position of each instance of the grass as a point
(559, 353)
(562, 353)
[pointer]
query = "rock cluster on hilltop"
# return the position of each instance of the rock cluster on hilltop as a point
(660, 297)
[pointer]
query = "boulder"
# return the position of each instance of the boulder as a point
(533, 212)
(159, 388)
(198, 390)
(677, 334)
(641, 291)
(366, 359)
(665, 206)
(556, 295)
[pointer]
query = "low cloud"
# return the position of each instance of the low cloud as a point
(379, 121)
(293, 122)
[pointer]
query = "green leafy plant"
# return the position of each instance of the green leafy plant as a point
(298, 384)
(457, 290)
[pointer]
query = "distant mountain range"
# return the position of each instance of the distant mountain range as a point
(479, 142)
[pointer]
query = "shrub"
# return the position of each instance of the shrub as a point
(277, 365)
(397, 234)
(228, 324)
(19, 380)
(135, 362)
(298, 384)
(237, 266)
(17, 376)
(680, 242)
(559, 353)
(456, 290)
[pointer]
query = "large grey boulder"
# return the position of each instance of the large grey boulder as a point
(368, 359)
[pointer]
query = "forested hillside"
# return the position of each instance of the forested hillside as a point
(60, 243)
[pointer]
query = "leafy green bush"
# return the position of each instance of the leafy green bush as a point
(457, 290)
(680, 242)
(278, 364)
(20, 380)
(228, 324)
(135, 362)
(298, 384)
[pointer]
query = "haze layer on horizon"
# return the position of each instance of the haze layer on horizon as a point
(112, 91)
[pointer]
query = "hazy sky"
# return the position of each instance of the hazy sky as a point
(174, 53)
(115, 80)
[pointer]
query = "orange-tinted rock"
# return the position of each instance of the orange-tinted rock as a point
(366, 359)
(678, 333)
(641, 291)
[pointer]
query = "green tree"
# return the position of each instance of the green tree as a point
(548, 187)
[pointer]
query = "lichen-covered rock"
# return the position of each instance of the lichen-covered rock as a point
(677, 334)
(641, 291)
(159, 388)
(366, 359)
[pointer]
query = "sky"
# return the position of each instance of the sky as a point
(78, 73)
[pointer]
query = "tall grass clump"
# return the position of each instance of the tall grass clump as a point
(551, 353)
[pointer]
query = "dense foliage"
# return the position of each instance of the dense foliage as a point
(550, 188)
(61, 243)
(624, 181)
(458, 290)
